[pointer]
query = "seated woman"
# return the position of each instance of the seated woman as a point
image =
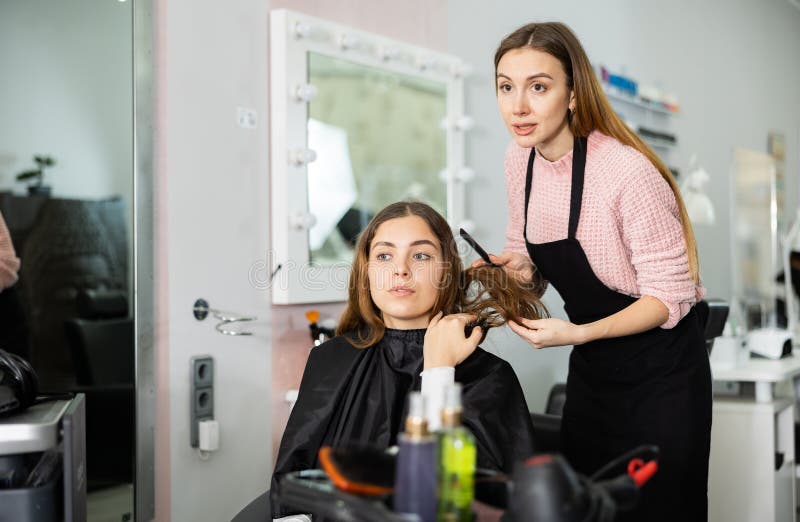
(409, 309)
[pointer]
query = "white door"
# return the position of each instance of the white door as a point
(211, 221)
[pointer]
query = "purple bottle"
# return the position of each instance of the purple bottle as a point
(417, 462)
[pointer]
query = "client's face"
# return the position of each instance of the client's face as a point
(405, 267)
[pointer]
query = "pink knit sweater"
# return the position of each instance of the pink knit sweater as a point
(629, 225)
(9, 262)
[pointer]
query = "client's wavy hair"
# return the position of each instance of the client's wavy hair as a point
(488, 292)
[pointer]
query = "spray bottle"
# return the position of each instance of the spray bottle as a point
(457, 461)
(415, 479)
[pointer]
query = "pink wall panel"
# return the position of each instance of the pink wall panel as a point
(291, 344)
(417, 22)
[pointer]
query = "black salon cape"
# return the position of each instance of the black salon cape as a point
(352, 395)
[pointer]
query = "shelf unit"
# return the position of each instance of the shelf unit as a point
(52, 425)
(638, 112)
(639, 102)
(660, 144)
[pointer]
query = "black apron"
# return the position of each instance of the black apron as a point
(653, 387)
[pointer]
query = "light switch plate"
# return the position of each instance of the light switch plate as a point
(246, 118)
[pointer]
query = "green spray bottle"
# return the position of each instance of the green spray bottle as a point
(457, 461)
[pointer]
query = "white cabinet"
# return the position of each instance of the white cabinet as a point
(747, 482)
(752, 465)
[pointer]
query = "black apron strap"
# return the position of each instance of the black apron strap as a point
(528, 180)
(576, 193)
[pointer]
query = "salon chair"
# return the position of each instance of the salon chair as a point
(259, 510)
(101, 344)
(713, 313)
(547, 425)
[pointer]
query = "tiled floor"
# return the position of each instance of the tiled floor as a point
(111, 505)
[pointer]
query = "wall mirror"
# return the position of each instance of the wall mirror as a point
(358, 121)
(754, 252)
(68, 93)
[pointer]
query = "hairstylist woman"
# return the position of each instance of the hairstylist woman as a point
(595, 213)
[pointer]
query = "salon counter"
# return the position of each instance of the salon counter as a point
(752, 465)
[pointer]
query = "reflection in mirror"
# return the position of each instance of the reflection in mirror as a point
(379, 139)
(67, 94)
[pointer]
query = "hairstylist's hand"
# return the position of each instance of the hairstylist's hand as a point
(542, 333)
(445, 343)
(518, 266)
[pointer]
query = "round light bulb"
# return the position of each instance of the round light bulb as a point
(300, 157)
(305, 92)
(302, 30)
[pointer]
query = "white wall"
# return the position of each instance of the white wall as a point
(733, 65)
(66, 91)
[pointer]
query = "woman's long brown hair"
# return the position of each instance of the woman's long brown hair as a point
(487, 292)
(592, 108)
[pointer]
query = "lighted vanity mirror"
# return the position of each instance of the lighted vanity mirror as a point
(358, 121)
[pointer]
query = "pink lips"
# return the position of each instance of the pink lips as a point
(524, 130)
(401, 291)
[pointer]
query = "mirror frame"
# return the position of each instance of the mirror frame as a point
(144, 211)
(292, 36)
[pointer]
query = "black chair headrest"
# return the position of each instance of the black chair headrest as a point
(101, 304)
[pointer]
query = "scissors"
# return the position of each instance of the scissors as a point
(475, 246)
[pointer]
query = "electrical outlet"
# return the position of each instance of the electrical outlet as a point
(204, 402)
(201, 393)
(203, 370)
